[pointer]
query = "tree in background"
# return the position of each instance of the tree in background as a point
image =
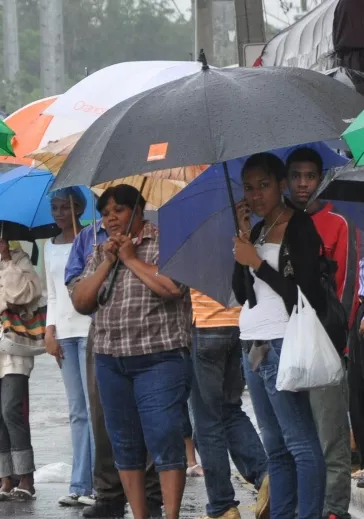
(98, 33)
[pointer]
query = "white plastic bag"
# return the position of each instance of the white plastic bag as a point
(308, 359)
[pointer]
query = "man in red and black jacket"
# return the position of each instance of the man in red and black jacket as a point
(330, 406)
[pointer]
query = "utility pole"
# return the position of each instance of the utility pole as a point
(194, 25)
(52, 47)
(204, 28)
(11, 46)
(224, 31)
(249, 24)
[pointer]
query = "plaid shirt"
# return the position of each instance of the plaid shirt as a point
(135, 321)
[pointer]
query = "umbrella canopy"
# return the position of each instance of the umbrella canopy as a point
(354, 137)
(55, 153)
(209, 117)
(196, 228)
(157, 189)
(345, 186)
(344, 183)
(16, 232)
(24, 198)
(33, 129)
(351, 78)
(6, 135)
(98, 92)
(156, 192)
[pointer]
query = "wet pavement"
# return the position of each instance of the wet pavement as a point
(52, 444)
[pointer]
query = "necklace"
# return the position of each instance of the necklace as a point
(265, 233)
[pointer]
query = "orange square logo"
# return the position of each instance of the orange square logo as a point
(157, 151)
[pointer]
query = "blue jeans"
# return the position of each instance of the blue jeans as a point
(295, 460)
(144, 400)
(221, 424)
(75, 381)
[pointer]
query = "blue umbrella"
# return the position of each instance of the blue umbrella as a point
(24, 197)
(197, 227)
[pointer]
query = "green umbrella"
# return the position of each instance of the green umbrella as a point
(6, 134)
(354, 138)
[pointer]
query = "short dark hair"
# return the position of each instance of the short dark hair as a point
(123, 195)
(305, 154)
(269, 163)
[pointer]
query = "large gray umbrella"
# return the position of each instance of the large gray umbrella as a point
(210, 117)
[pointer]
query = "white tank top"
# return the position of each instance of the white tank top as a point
(268, 319)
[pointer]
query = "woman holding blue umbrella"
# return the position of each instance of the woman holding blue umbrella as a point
(282, 252)
(66, 339)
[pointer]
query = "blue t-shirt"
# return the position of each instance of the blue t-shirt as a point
(82, 248)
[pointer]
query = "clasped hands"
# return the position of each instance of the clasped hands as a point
(119, 247)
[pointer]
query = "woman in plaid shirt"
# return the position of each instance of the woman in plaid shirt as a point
(142, 335)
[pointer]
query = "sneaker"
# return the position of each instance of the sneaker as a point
(87, 500)
(105, 508)
(262, 508)
(71, 500)
(232, 513)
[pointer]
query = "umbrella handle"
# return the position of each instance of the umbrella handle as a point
(247, 279)
(74, 219)
(105, 293)
(94, 223)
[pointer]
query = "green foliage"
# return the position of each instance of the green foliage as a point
(97, 33)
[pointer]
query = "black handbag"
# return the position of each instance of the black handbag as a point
(334, 318)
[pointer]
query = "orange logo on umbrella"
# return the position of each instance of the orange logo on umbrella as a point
(157, 151)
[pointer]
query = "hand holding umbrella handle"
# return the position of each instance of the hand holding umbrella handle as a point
(247, 279)
(105, 293)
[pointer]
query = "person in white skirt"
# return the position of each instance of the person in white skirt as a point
(66, 339)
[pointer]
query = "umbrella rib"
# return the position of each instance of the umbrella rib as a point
(208, 112)
(45, 162)
(40, 201)
(359, 159)
(12, 184)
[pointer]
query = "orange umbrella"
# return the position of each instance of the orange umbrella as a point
(34, 129)
(20, 122)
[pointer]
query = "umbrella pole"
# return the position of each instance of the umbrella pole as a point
(2, 230)
(94, 223)
(247, 280)
(105, 294)
(74, 219)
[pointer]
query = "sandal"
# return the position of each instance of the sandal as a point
(20, 494)
(5, 496)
